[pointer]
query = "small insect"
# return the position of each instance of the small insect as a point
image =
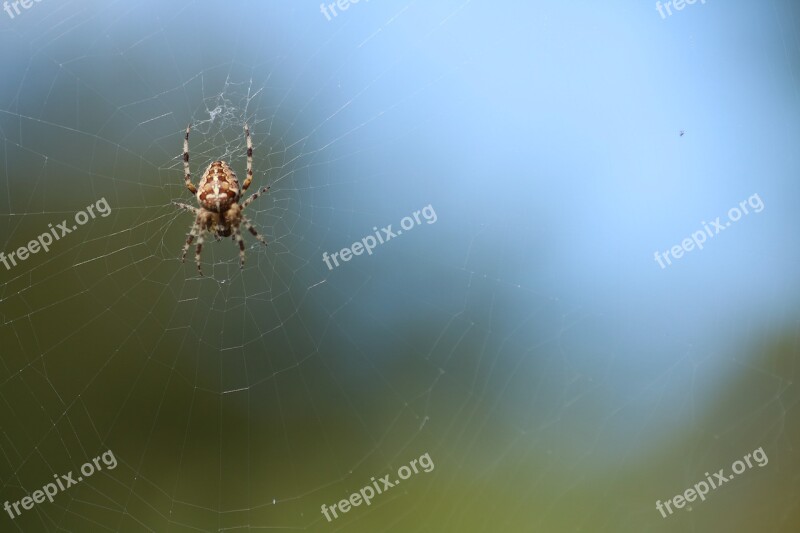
(218, 194)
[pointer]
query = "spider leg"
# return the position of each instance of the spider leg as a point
(253, 197)
(188, 175)
(251, 229)
(194, 232)
(200, 240)
(237, 234)
(186, 207)
(249, 158)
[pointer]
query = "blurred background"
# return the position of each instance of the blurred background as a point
(528, 341)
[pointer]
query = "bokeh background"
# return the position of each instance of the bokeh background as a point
(527, 340)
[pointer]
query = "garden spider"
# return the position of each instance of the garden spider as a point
(218, 194)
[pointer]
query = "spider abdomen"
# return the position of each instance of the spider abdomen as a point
(218, 188)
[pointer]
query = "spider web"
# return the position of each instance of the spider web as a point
(247, 398)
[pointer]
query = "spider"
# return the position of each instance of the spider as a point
(218, 194)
